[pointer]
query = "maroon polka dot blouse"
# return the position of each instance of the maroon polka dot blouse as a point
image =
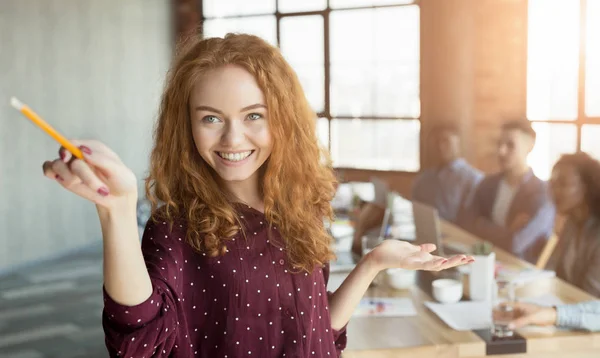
(246, 303)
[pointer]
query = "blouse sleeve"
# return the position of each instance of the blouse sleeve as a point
(149, 328)
(339, 336)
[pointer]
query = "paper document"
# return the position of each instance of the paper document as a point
(464, 315)
(385, 307)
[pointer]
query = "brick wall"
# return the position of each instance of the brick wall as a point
(500, 73)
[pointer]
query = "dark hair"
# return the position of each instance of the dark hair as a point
(589, 171)
(522, 125)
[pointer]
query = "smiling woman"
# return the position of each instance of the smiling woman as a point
(237, 251)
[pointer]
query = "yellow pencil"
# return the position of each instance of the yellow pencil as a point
(37, 120)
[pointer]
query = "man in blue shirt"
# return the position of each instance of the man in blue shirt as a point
(449, 185)
(512, 208)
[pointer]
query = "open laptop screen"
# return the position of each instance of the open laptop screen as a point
(427, 225)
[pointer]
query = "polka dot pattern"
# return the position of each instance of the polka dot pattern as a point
(248, 302)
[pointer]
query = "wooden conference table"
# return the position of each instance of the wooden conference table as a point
(425, 335)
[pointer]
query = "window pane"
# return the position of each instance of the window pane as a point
(589, 140)
(375, 144)
(553, 59)
(553, 140)
(381, 79)
(262, 26)
(302, 43)
(220, 8)
(336, 4)
(592, 78)
(304, 5)
(323, 131)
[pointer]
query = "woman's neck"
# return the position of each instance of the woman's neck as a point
(246, 192)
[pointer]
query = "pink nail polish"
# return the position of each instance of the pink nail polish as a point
(103, 191)
(61, 153)
(59, 178)
(85, 149)
(444, 261)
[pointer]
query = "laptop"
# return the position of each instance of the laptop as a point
(380, 191)
(427, 225)
(427, 230)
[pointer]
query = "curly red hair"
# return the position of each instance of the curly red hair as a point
(297, 184)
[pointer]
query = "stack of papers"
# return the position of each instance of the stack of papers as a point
(464, 315)
(385, 307)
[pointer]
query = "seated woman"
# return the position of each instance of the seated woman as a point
(575, 187)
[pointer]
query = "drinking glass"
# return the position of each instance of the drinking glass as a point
(503, 293)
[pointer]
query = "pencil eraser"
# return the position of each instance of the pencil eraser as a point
(16, 103)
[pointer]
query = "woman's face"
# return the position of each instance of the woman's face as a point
(568, 190)
(230, 123)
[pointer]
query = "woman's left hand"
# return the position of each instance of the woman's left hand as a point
(401, 254)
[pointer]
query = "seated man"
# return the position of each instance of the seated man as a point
(513, 209)
(451, 183)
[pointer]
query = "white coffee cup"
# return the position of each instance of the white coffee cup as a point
(447, 290)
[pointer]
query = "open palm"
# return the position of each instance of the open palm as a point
(401, 254)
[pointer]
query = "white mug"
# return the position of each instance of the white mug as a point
(446, 290)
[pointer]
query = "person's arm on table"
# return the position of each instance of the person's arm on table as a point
(585, 315)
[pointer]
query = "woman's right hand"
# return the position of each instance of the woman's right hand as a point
(101, 177)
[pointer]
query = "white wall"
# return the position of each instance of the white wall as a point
(93, 69)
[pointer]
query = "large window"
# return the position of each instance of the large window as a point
(358, 61)
(563, 79)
